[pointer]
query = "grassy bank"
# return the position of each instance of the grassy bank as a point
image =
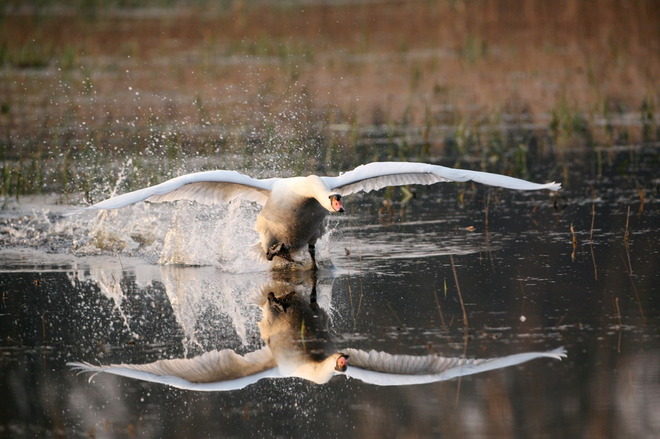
(90, 89)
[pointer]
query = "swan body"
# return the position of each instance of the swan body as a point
(298, 343)
(294, 208)
(226, 370)
(297, 332)
(293, 215)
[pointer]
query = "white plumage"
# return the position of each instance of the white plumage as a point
(294, 208)
(224, 370)
(383, 369)
(298, 342)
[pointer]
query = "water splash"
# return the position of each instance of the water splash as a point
(215, 236)
(170, 234)
(210, 305)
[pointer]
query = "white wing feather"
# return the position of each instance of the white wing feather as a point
(378, 175)
(214, 187)
(225, 370)
(180, 383)
(384, 369)
(210, 187)
(215, 370)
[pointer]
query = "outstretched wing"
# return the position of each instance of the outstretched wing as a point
(384, 369)
(211, 371)
(210, 187)
(378, 175)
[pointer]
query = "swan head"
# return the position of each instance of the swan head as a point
(341, 362)
(319, 372)
(313, 186)
(335, 203)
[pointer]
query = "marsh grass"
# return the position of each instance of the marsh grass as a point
(30, 55)
(569, 123)
(649, 123)
(302, 87)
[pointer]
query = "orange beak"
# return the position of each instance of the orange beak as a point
(342, 363)
(335, 202)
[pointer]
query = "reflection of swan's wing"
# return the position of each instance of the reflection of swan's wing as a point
(215, 370)
(378, 175)
(180, 383)
(211, 187)
(384, 369)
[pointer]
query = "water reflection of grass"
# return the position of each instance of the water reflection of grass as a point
(323, 86)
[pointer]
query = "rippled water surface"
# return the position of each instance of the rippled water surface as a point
(495, 274)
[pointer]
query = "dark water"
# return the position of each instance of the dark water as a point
(394, 287)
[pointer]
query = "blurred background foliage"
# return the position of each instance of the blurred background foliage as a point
(91, 88)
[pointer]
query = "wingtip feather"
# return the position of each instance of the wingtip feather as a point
(559, 353)
(554, 186)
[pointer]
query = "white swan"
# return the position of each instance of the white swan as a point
(294, 208)
(226, 370)
(298, 343)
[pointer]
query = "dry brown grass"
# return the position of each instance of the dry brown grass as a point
(395, 59)
(118, 78)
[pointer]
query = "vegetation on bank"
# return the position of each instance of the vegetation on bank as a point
(156, 88)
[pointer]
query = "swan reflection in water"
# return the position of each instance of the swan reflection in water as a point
(298, 343)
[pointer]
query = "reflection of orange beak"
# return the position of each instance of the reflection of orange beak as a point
(336, 204)
(342, 363)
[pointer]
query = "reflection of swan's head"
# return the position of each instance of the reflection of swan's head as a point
(341, 364)
(319, 372)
